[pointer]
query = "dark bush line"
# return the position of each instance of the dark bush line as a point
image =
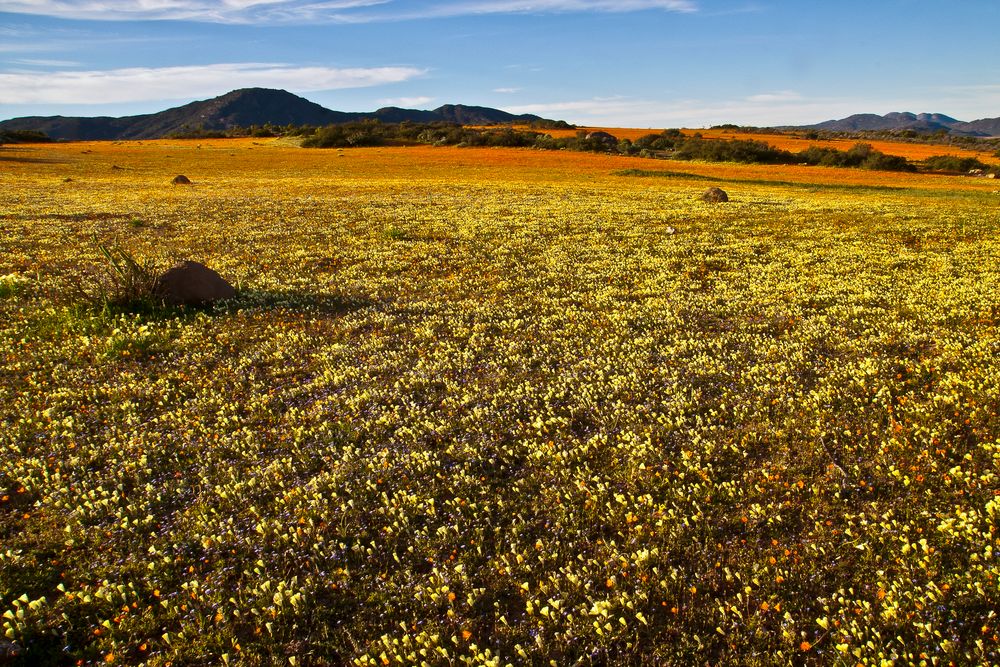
(375, 133)
(954, 163)
(263, 131)
(671, 144)
(23, 137)
(677, 146)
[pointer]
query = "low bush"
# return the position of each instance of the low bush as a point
(123, 282)
(23, 137)
(954, 163)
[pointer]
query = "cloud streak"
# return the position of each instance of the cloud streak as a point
(290, 12)
(771, 98)
(408, 102)
(44, 62)
(139, 84)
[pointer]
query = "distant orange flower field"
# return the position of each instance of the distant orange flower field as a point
(794, 143)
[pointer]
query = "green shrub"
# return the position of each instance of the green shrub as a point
(23, 137)
(861, 156)
(122, 282)
(375, 133)
(953, 163)
(12, 285)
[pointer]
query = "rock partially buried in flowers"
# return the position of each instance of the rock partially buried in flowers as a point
(181, 179)
(714, 195)
(192, 284)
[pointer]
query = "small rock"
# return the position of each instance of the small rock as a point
(181, 179)
(714, 195)
(192, 283)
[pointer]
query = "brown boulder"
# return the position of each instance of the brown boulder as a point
(181, 179)
(714, 195)
(603, 137)
(192, 283)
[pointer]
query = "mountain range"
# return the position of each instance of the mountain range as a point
(243, 108)
(924, 123)
(262, 106)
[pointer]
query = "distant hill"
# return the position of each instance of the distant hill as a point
(927, 123)
(987, 127)
(243, 108)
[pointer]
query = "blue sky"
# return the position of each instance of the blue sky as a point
(640, 63)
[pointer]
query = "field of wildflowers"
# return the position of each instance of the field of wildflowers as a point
(496, 406)
(789, 141)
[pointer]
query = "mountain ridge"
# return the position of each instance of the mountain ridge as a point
(246, 107)
(928, 123)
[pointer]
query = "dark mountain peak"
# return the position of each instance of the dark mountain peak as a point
(260, 93)
(464, 114)
(256, 106)
(400, 115)
(260, 98)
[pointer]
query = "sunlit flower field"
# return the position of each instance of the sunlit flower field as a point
(498, 407)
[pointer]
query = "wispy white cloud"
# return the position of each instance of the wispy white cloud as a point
(410, 102)
(771, 98)
(969, 102)
(45, 62)
(27, 39)
(471, 7)
(212, 11)
(139, 84)
(506, 91)
(307, 11)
